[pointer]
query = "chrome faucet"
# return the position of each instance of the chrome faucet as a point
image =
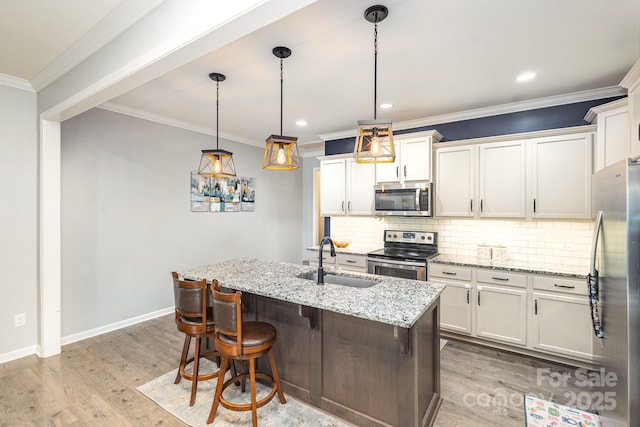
(326, 239)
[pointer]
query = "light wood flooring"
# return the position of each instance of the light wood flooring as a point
(93, 382)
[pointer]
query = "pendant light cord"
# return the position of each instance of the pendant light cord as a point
(217, 112)
(375, 69)
(281, 98)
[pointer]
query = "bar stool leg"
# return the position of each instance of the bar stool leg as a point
(183, 358)
(216, 398)
(276, 377)
(252, 377)
(194, 381)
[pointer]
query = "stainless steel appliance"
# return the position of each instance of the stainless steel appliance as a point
(405, 254)
(614, 291)
(403, 199)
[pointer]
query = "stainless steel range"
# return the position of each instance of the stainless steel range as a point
(405, 254)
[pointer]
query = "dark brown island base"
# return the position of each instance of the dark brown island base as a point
(368, 355)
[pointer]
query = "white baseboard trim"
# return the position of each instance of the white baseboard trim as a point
(114, 326)
(17, 354)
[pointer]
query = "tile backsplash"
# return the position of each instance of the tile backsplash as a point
(552, 242)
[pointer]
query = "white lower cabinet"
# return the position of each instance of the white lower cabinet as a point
(533, 312)
(351, 262)
(560, 317)
(501, 314)
(456, 299)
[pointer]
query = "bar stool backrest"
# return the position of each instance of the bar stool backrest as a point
(227, 315)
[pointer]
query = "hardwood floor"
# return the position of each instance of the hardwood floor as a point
(93, 382)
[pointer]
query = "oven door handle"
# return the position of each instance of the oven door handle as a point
(381, 261)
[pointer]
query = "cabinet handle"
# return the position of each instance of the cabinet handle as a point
(342, 208)
(404, 170)
(478, 297)
(481, 205)
(503, 279)
(350, 261)
(564, 286)
(534, 205)
(471, 205)
(349, 205)
(535, 307)
(468, 295)
(397, 171)
(449, 273)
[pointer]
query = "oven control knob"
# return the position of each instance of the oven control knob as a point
(422, 237)
(429, 238)
(395, 236)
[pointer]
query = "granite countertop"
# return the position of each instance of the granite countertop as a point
(564, 270)
(397, 302)
(351, 249)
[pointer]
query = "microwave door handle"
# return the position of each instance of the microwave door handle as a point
(417, 199)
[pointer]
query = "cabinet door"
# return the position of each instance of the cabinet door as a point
(502, 180)
(332, 187)
(389, 172)
(416, 159)
(612, 142)
(501, 314)
(455, 181)
(455, 303)
(360, 191)
(561, 176)
(562, 325)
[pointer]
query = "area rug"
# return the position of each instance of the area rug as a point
(174, 398)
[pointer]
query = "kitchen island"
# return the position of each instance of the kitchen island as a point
(368, 355)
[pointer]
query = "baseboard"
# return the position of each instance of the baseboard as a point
(17, 354)
(114, 326)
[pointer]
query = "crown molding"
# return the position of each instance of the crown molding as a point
(18, 83)
(592, 114)
(632, 79)
(111, 26)
(551, 101)
(157, 118)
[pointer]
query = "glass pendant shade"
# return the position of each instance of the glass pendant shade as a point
(374, 143)
(281, 153)
(217, 164)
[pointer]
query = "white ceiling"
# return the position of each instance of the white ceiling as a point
(435, 57)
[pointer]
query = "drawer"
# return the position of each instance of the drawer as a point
(327, 259)
(560, 284)
(501, 277)
(352, 260)
(449, 272)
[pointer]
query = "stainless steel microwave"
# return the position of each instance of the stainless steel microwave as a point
(403, 199)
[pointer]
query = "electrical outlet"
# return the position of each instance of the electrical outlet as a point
(20, 320)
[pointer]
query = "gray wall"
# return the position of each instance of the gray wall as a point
(18, 219)
(126, 222)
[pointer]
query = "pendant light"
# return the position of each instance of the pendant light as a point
(281, 152)
(217, 163)
(374, 142)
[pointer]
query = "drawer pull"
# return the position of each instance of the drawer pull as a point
(449, 273)
(504, 279)
(564, 286)
(350, 261)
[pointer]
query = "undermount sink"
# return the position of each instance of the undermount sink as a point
(335, 279)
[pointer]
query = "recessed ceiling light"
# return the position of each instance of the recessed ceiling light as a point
(527, 76)
(386, 105)
(301, 123)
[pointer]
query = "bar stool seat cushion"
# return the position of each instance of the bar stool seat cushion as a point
(254, 334)
(198, 321)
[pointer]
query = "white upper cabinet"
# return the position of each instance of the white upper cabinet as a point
(561, 176)
(632, 83)
(502, 179)
(346, 187)
(612, 135)
(545, 177)
(455, 181)
(413, 159)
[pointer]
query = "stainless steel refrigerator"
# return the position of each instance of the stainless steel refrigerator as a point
(614, 292)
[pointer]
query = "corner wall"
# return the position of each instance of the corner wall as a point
(126, 220)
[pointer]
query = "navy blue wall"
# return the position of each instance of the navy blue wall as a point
(560, 116)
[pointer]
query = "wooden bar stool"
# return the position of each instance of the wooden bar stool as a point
(238, 340)
(194, 317)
